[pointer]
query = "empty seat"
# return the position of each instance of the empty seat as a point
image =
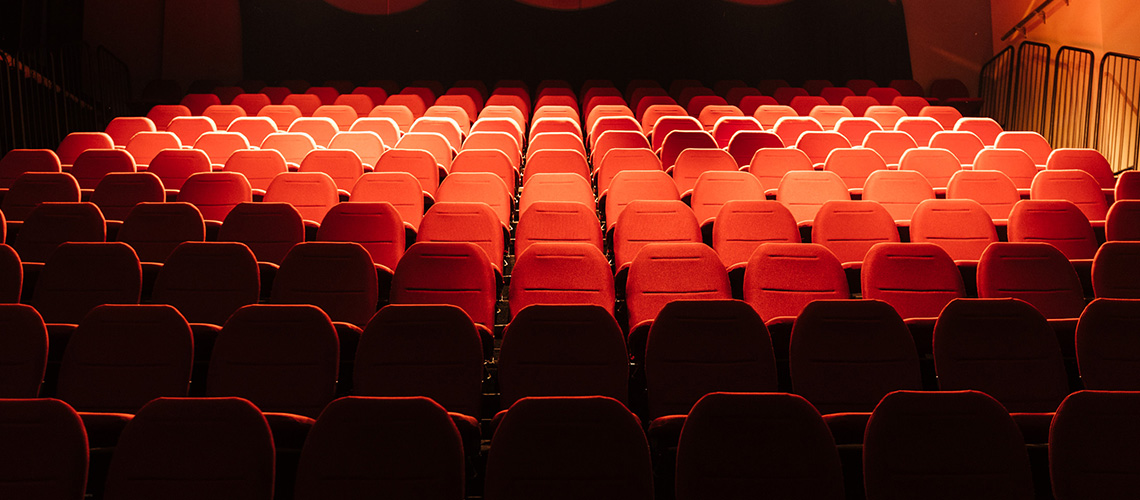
(570, 447)
(536, 360)
(342, 165)
(725, 127)
(424, 350)
(162, 114)
(621, 159)
(898, 191)
(886, 115)
(338, 277)
(458, 114)
(730, 443)
(664, 272)
(556, 161)
(24, 348)
(744, 144)
(500, 141)
(696, 347)
(45, 452)
(1123, 221)
(890, 144)
(616, 139)
(397, 112)
(938, 166)
(850, 228)
(961, 227)
(154, 230)
(119, 192)
(770, 164)
(563, 187)
(122, 128)
(259, 166)
(456, 273)
(1075, 186)
(288, 370)
(859, 104)
(993, 190)
(484, 187)
(254, 128)
(282, 115)
(1107, 351)
(375, 225)
(987, 129)
(444, 126)
(644, 222)
(1031, 142)
(69, 148)
(804, 192)
(631, 185)
(93, 164)
(710, 114)
(321, 129)
(913, 105)
(311, 193)
(208, 281)
(213, 447)
(419, 163)
(466, 222)
(550, 221)
(119, 358)
(917, 279)
(215, 193)
(1006, 349)
(386, 128)
(1090, 161)
(292, 145)
(694, 161)
(1127, 186)
(743, 225)
(342, 114)
(789, 128)
(305, 103)
(768, 115)
(828, 115)
(432, 142)
(845, 355)
(50, 225)
(555, 140)
(854, 166)
(488, 160)
(144, 145)
(920, 129)
(387, 446)
(400, 189)
(818, 145)
(965, 145)
(269, 229)
(1089, 446)
(1036, 272)
(947, 116)
(189, 129)
(781, 278)
(1056, 222)
(223, 114)
(32, 188)
(936, 444)
(561, 273)
(1115, 273)
(715, 188)
(251, 103)
(175, 166)
(855, 129)
(220, 145)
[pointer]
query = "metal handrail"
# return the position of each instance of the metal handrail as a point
(1038, 12)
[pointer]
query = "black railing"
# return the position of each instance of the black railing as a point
(1071, 112)
(46, 94)
(995, 84)
(1027, 104)
(1117, 120)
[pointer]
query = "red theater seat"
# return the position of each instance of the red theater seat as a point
(45, 452)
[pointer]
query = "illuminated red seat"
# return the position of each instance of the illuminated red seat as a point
(561, 273)
(850, 228)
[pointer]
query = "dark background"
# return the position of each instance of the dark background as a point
(489, 40)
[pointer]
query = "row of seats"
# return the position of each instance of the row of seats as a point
(844, 356)
(588, 446)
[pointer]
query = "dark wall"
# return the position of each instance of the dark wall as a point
(494, 39)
